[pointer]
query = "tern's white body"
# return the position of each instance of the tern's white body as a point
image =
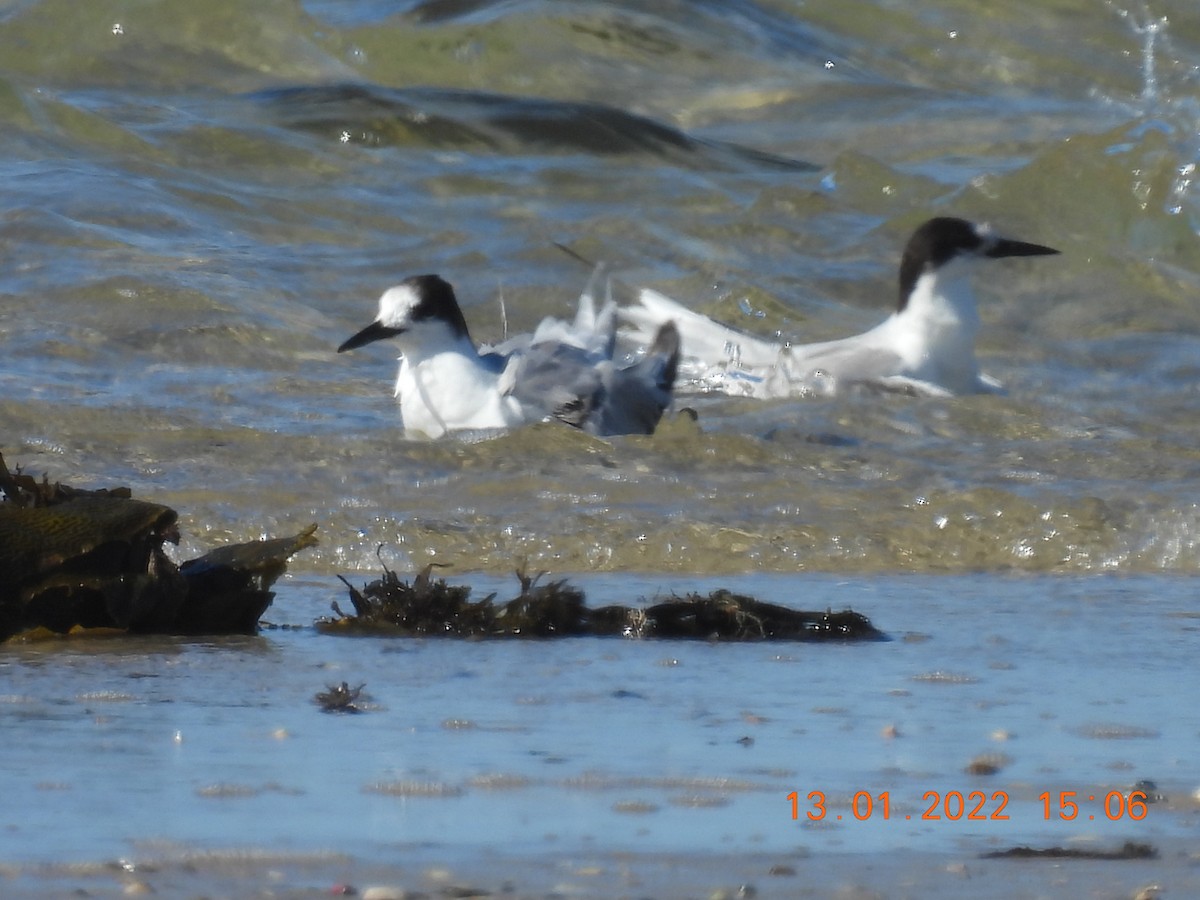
(476, 401)
(927, 346)
(562, 371)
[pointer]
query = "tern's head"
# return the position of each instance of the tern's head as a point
(415, 304)
(941, 244)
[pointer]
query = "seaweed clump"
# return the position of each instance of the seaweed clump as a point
(724, 615)
(1128, 850)
(431, 607)
(93, 559)
(340, 698)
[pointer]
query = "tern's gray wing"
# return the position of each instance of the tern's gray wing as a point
(495, 360)
(704, 339)
(564, 382)
(555, 381)
(634, 398)
(593, 331)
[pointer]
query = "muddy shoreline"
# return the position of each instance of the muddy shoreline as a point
(411, 872)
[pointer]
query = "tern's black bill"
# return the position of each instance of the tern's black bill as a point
(1004, 247)
(373, 332)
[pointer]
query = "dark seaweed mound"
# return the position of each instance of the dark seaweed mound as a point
(431, 607)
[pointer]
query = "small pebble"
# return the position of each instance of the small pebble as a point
(987, 764)
(738, 893)
(634, 807)
(384, 892)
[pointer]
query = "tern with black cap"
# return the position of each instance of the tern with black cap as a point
(562, 372)
(926, 346)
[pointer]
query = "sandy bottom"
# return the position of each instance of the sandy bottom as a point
(415, 872)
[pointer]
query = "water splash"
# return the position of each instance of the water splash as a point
(1169, 103)
(1150, 30)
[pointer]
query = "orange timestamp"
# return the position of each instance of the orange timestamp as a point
(974, 806)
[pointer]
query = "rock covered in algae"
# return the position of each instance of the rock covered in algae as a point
(71, 559)
(229, 588)
(429, 606)
(90, 562)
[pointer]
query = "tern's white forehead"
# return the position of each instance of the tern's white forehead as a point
(987, 237)
(397, 305)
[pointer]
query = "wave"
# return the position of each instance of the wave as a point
(461, 119)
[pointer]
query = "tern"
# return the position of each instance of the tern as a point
(927, 346)
(562, 371)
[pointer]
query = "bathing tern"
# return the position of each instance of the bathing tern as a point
(927, 346)
(563, 371)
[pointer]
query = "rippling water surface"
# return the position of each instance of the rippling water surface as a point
(202, 200)
(603, 750)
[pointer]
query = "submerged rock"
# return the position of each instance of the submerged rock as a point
(428, 606)
(229, 588)
(71, 558)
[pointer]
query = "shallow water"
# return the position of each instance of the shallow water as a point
(184, 252)
(202, 201)
(608, 745)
